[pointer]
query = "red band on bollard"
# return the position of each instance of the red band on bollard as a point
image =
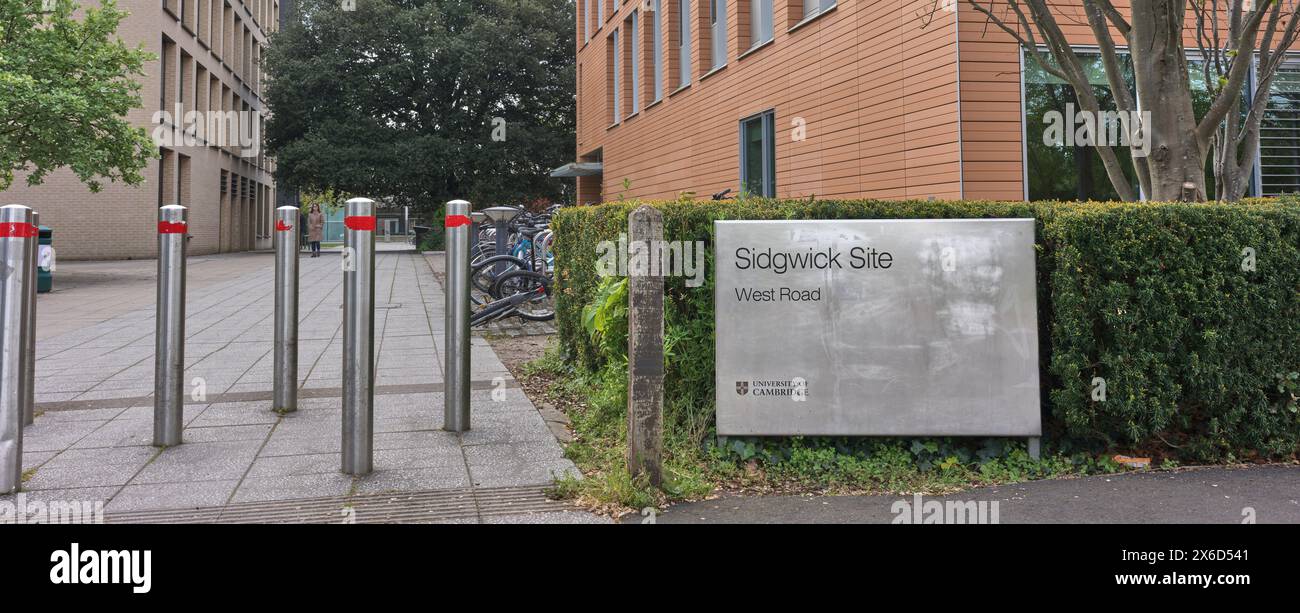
(456, 221)
(280, 226)
(359, 222)
(18, 229)
(171, 227)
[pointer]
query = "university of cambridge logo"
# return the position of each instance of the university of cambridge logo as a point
(742, 387)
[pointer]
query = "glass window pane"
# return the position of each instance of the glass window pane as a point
(769, 155)
(1058, 170)
(1067, 167)
(658, 49)
(618, 88)
(684, 35)
(752, 156)
(719, 32)
(634, 42)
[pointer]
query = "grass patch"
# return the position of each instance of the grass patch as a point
(699, 464)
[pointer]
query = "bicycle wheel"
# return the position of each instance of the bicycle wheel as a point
(540, 306)
(483, 275)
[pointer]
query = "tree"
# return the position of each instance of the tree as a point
(423, 101)
(1229, 33)
(66, 86)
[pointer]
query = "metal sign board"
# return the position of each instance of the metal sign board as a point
(923, 327)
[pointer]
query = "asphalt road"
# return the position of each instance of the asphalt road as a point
(1268, 494)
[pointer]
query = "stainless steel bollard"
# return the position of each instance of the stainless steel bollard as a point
(169, 348)
(358, 336)
(28, 382)
(286, 310)
(456, 362)
(16, 231)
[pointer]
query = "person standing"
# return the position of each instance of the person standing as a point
(315, 229)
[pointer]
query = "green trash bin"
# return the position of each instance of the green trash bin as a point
(45, 261)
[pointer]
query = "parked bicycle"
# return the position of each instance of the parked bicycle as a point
(516, 283)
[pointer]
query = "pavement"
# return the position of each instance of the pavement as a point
(241, 462)
(92, 440)
(1261, 494)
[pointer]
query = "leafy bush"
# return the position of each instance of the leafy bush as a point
(1155, 298)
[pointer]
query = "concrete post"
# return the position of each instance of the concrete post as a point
(645, 344)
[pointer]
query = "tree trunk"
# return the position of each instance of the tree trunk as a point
(1177, 160)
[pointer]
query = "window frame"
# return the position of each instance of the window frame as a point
(1191, 56)
(586, 21)
(717, 34)
(617, 66)
(758, 34)
(767, 124)
(684, 58)
(818, 7)
(657, 49)
(634, 57)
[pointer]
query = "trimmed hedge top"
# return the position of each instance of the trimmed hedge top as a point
(1189, 312)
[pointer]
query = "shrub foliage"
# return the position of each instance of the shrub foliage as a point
(1189, 312)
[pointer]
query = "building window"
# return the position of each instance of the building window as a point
(758, 155)
(183, 178)
(684, 41)
(657, 47)
(167, 58)
(586, 20)
(633, 28)
(718, 33)
(1061, 163)
(1279, 135)
(813, 7)
(1058, 168)
(166, 177)
(760, 22)
(616, 63)
(600, 12)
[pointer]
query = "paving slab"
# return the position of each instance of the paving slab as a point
(189, 494)
(93, 435)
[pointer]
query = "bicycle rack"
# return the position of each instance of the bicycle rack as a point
(501, 216)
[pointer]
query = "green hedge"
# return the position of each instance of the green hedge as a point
(1153, 298)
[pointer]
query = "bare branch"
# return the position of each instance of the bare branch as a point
(1228, 97)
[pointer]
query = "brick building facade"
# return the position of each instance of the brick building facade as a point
(842, 98)
(208, 63)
